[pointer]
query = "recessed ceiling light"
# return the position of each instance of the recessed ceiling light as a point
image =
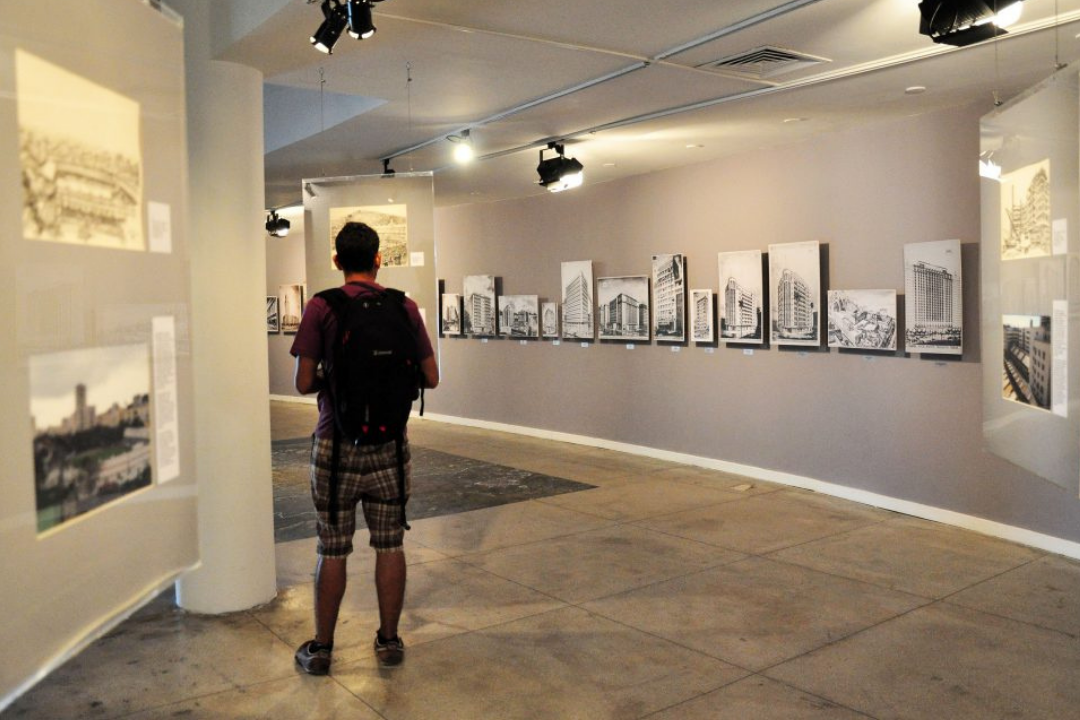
(694, 146)
(610, 165)
(795, 119)
(914, 90)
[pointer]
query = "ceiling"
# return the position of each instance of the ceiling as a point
(619, 80)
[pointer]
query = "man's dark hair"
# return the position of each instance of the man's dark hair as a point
(356, 246)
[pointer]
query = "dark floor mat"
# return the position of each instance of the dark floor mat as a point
(442, 484)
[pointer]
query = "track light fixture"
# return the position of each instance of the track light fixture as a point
(277, 226)
(559, 173)
(463, 149)
(361, 26)
(966, 22)
(387, 171)
(334, 22)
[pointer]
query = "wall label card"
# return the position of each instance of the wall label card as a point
(1059, 388)
(166, 419)
(159, 223)
(1060, 233)
(416, 259)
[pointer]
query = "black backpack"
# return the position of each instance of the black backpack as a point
(374, 376)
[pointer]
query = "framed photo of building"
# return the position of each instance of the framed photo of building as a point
(450, 318)
(391, 222)
(1027, 368)
(669, 297)
(933, 298)
(292, 307)
(480, 309)
(273, 319)
(549, 320)
(702, 329)
(795, 288)
(519, 316)
(862, 319)
(623, 307)
(741, 299)
(1026, 229)
(577, 300)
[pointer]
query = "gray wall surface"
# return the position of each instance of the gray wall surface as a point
(905, 427)
(284, 266)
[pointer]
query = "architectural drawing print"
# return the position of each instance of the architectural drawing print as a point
(669, 296)
(863, 319)
(741, 297)
(292, 307)
(391, 222)
(549, 320)
(933, 298)
(451, 314)
(623, 307)
(795, 284)
(577, 300)
(80, 156)
(519, 316)
(273, 319)
(1025, 212)
(1028, 360)
(701, 316)
(479, 316)
(90, 413)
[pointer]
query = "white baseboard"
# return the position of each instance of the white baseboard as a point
(302, 399)
(1031, 538)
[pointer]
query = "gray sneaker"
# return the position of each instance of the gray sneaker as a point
(390, 652)
(315, 662)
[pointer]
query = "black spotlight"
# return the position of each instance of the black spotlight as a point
(559, 173)
(361, 26)
(277, 226)
(965, 22)
(332, 26)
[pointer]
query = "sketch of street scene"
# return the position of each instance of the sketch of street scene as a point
(795, 284)
(273, 320)
(90, 414)
(389, 221)
(1028, 361)
(741, 296)
(519, 316)
(81, 161)
(577, 300)
(549, 324)
(863, 319)
(1025, 212)
(451, 314)
(480, 308)
(669, 296)
(292, 307)
(933, 298)
(623, 307)
(701, 316)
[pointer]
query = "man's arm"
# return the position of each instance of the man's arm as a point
(430, 369)
(306, 377)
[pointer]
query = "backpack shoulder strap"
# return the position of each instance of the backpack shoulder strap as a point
(335, 298)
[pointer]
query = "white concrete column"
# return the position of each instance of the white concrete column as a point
(229, 350)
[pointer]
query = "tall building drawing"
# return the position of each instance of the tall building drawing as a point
(794, 306)
(670, 295)
(481, 315)
(577, 308)
(741, 314)
(701, 315)
(624, 315)
(932, 289)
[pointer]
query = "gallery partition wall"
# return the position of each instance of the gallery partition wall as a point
(899, 427)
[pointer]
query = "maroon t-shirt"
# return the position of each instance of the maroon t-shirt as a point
(315, 340)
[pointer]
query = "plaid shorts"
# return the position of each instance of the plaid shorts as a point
(367, 475)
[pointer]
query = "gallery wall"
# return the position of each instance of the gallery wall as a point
(904, 427)
(284, 266)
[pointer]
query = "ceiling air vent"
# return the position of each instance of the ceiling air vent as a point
(764, 62)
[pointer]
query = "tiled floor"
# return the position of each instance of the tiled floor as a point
(666, 592)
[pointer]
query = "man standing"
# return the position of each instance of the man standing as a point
(364, 474)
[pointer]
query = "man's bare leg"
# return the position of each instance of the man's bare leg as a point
(390, 587)
(330, 579)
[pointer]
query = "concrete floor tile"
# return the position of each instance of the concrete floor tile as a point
(717, 479)
(768, 522)
(442, 598)
(755, 613)
(290, 420)
(944, 661)
(562, 664)
(758, 698)
(1044, 593)
(641, 500)
(912, 555)
(601, 562)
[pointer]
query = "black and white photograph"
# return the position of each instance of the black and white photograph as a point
(90, 414)
(82, 174)
(741, 299)
(391, 222)
(450, 322)
(478, 318)
(292, 307)
(862, 319)
(549, 320)
(933, 298)
(519, 316)
(577, 300)
(702, 329)
(623, 307)
(1026, 229)
(795, 288)
(669, 297)
(1028, 360)
(273, 319)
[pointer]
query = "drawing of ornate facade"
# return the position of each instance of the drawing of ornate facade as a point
(795, 316)
(670, 293)
(741, 313)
